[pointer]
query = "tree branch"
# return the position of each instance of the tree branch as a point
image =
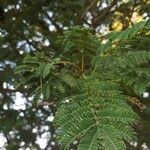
(55, 24)
(88, 8)
(72, 64)
(103, 14)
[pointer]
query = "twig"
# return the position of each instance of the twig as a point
(55, 24)
(88, 8)
(103, 13)
(70, 63)
(44, 103)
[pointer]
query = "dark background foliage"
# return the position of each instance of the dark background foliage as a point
(27, 26)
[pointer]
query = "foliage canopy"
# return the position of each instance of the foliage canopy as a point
(97, 113)
(56, 67)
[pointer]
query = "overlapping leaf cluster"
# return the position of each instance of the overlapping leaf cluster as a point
(43, 77)
(126, 56)
(95, 112)
(99, 116)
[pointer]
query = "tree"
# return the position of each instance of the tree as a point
(96, 114)
(27, 27)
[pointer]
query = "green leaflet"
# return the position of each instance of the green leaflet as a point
(91, 137)
(79, 39)
(129, 59)
(46, 91)
(42, 77)
(110, 140)
(88, 117)
(23, 68)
